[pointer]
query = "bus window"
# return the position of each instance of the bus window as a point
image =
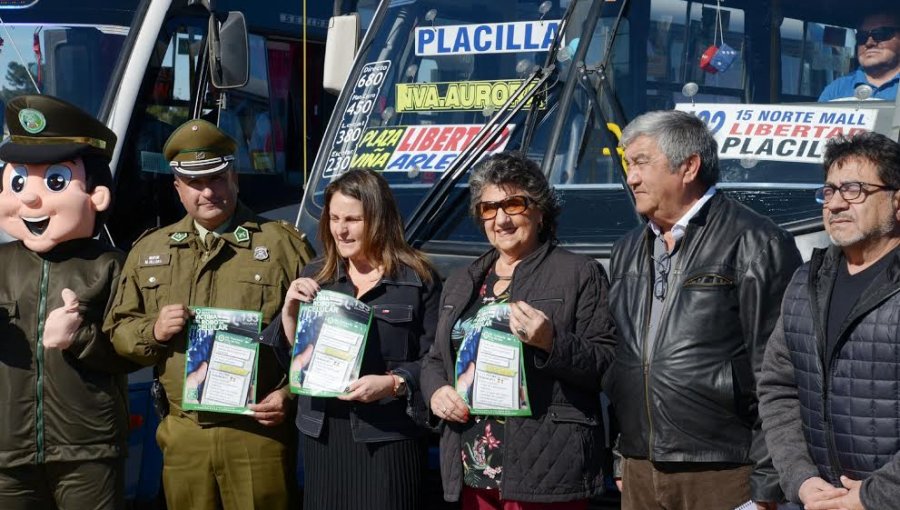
(285, 109)
(263, 117)
(812, 56)
(145, 181)
(47, 57)
(678, 34)
(258, 114)
(245, 115)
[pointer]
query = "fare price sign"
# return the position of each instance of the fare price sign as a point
(366, 92)
(778, 132)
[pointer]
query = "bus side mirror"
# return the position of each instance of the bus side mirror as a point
(229, 53)
(340, 49)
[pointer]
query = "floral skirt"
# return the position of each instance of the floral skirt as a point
(482, 452)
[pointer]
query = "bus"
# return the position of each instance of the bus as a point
(438, 84)
(143, 67)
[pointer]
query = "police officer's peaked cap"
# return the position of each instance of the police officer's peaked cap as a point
(199, 149)
(44, 129)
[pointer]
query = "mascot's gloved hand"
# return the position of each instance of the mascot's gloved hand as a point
(62, 323)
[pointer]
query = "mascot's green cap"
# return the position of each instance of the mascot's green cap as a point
(44, 129)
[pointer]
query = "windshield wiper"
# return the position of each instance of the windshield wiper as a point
(578, 76)
(424, 216)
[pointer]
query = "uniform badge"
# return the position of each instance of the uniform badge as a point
(260, 253)
(241, 234)
(178, 236)
(32, 120)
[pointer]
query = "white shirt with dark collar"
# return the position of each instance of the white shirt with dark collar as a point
(681, 225)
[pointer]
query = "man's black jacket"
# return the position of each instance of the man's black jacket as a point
(688, 395)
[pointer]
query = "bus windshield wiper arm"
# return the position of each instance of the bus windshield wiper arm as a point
(423, 215)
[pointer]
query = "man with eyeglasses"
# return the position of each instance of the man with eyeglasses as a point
(829, 384)
(878, 52)
(695, 293)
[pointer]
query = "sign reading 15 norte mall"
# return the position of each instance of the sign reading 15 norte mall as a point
(778, 132)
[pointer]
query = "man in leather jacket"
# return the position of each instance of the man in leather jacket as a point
(828, 386)
(695, 294)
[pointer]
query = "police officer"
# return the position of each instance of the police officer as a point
(63, 421)
(219, 255)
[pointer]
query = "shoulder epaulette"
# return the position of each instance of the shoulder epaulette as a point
(145, 234)
(290, 228)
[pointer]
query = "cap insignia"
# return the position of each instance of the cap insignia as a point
(32, 120)
(199, 155)
(260, 253)
(241, 234)
(178, 236)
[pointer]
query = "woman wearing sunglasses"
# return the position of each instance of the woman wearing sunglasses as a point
(557, 308)
(878, 52)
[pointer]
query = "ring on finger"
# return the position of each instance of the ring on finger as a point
(521, 331)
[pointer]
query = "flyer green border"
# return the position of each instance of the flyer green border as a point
(327, 394)
(524, 411)
(218, 408)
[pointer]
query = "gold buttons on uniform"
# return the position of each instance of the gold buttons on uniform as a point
(152, 279)
(257, 277)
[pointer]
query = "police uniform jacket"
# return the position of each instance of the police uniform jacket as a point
(248, 268)
(59, 405)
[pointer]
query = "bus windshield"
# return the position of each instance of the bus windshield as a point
(431, 73)
(62, 50)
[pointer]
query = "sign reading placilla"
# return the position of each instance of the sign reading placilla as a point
(795, 133)
(516, 37)
(458, 96)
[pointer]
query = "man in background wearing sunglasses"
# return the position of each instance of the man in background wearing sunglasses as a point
(828, 389)
(695, 293)
(878, 52)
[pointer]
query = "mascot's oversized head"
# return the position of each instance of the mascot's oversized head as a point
(56, 177)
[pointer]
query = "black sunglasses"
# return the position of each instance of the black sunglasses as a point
(516, 204)
(878, 35)
(661, 282)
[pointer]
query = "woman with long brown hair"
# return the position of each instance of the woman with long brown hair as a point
(364, 449)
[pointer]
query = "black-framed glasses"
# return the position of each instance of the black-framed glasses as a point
(849, 191)
(662, 264)
(879, 34)
(516, 204)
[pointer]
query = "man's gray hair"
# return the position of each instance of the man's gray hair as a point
(678, 135)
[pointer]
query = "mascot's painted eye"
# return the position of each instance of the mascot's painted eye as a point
(17, 182)
(58, 177)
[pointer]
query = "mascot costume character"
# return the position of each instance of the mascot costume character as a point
(63, 390)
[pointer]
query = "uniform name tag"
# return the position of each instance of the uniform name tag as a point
(156, 260)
